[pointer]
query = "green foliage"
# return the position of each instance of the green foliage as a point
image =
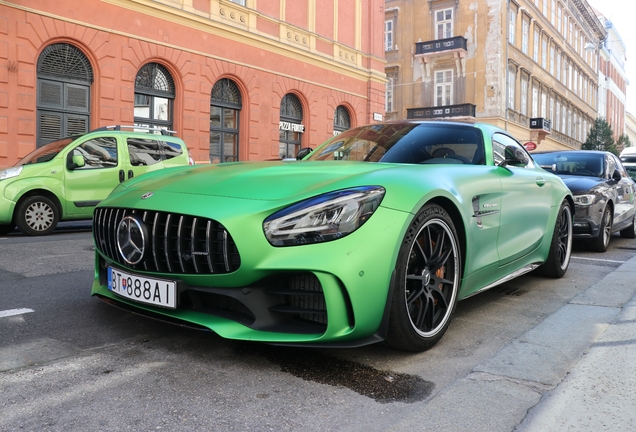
(601, 137)
(623, 142)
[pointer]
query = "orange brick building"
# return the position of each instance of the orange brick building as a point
(237, 80)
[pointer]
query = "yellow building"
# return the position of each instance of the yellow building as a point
(527, 66)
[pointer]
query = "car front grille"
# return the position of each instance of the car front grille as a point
(176, 243)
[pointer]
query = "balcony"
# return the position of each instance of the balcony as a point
(461, 110)
(457, 43)
(539, 129)
(454, 47)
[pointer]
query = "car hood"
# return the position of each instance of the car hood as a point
(258, 180)
(581, 184)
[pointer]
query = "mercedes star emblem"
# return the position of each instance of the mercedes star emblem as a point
(147, 195)
(131, 240)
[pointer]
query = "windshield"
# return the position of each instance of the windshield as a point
(405, 143)
(572, 163)
(46, 152)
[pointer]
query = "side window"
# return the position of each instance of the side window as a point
(620, 166)
(611, 166)
(170, 150)
(143, 151)
(98, 153)
(499, 144)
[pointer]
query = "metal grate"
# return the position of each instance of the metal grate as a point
(66, 62)
(225, 93)
(304, 299)
(179, 244)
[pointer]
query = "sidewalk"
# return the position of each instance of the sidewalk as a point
(599, 393)
(574, 371)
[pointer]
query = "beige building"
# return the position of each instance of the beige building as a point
(527, 66)
(630, 128)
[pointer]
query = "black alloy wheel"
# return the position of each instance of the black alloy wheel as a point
(427, 281)
(600, 243)
(558, 260)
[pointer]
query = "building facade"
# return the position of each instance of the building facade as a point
(519, 64)
(612, 78)
(630, 128)
(237, 80)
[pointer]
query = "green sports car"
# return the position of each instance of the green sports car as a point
(373, 236)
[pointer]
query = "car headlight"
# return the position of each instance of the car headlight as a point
(584, 200)
(323, 218)
(10, 172)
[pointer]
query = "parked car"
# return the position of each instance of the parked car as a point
(628, 158)
(603, 193)
(373, 236)
(65, 179)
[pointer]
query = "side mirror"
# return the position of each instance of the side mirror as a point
(616, 176)
(75, 161)
(514, 156)
(303, 152)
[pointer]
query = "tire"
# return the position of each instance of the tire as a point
(428, 275)
(6, 229)
(630, 231)
(36, 215)
(601, 241)
(558, 260)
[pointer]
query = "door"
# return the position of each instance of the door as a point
(525, 205)
(85, 186)
(144, 155)
(624, 193)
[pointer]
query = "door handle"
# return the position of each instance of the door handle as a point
(540, 181)
(131, 174)
(122, 176)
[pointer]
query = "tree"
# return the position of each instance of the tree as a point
(601, 137)
(623, 142)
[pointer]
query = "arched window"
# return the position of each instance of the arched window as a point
(290, 126)
(225, 109)
(341, 120)
(154, 97)
(64, 79)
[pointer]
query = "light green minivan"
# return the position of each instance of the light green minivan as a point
(65, 179)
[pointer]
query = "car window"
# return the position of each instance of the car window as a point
(98, 153)
(143, 151)
(582, 163)
(499, 144)
(46, 152)
(619, 166)
(410, 143)
(611, 166)
(170, 149)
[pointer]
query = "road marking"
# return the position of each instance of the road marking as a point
(12, 312)
(598, 259)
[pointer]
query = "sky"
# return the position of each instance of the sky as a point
(622, 13)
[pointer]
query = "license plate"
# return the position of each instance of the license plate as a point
(142, 289)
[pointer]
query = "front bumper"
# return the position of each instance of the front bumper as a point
(321, 294)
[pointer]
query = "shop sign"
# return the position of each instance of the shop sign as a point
(288, 126)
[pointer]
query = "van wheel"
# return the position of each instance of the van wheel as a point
(36, 215)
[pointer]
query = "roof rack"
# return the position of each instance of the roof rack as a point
(143, 128)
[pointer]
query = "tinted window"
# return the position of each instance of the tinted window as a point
(575, 163)
(406, 143)
(98, 153)
(499, 144)
(46, 152)
(144, 151)
(170, 150)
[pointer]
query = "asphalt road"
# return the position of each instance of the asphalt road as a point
(69, 362)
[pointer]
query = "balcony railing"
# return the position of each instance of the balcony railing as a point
(460, 110)
(448, 44)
